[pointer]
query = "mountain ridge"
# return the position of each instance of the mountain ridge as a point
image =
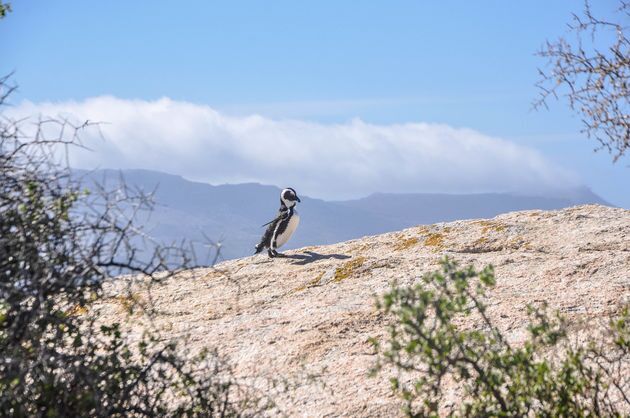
(234, 213)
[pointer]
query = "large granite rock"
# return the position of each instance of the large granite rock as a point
(313, 312)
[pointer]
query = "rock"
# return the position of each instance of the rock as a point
(313, 311)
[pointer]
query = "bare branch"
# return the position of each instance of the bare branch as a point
(593, 74)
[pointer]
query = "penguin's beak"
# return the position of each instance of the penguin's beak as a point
(298, 199)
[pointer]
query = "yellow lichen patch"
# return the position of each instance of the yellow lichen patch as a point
(129, 301)
(360, 248)
(481, 241)
(422, 230)
(406, 243)
(311, 283)
(382, 264)
(77, 310)
(518, 243)
(348, 268)
(488, 226)
(434, 240)
(212, 274)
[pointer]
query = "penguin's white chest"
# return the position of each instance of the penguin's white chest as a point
(291, 227)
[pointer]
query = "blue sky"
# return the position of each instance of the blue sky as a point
(324, 64)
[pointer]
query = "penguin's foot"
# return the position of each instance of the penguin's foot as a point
(272, 253)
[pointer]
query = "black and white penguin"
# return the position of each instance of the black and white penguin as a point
(283, 226)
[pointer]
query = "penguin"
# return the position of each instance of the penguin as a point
(280, 229)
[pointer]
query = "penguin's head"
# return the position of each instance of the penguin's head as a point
(289, 197)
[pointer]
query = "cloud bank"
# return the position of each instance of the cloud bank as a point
(332, 161)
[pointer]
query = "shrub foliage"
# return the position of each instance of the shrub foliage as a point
(58, 246)
(431, 349)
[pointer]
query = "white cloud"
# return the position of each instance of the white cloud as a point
(322, 160)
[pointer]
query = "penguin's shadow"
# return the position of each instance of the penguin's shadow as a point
(309, 257)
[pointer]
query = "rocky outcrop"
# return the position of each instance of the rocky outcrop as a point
(313, 311)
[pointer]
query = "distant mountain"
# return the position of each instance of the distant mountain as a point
(233, 214)
(425, 208)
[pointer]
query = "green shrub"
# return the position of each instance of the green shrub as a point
(430, 349)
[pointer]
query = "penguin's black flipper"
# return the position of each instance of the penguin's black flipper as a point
(281, 215)
(270, 222)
